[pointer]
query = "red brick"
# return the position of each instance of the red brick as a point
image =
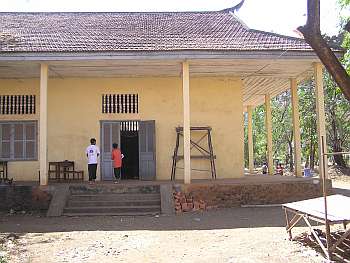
(196, 205)
(202, 206)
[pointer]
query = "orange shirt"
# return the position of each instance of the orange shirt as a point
(117, 158)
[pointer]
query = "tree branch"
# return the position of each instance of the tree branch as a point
(312, 34)
(347, 26)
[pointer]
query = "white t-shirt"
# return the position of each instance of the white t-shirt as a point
(92, 151)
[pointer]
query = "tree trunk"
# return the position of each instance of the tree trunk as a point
(312, 34)
(339, 160)
(336, 143)
(290, 146)
(312, 155)
(347, 26)
(286, 159)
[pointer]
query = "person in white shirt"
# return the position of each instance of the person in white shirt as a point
(92, 153)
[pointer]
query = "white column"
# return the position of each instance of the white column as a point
(268, 125)
(296, 127)
(43, 125)
(321, 123)
(186, 120)
(250, 139)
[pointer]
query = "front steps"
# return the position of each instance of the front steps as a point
(86, 200)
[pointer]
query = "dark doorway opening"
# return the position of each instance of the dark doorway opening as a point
(129, 140)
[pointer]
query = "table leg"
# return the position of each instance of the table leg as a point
(329, 241)
(324, 249)
(289, 230)
(344, 224)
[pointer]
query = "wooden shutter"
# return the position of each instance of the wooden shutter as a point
(30, 140)
(5, 141)
(18, 141)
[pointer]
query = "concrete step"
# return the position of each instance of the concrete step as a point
(114, 189)
(113, 200)
(112, 209)
(114, 214)
(121, 202)
(114, 197)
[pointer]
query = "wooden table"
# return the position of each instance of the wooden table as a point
(313, 210)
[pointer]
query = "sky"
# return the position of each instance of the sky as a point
(279, 16)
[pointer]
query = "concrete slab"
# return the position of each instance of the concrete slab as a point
(58, 201)
(167, 200)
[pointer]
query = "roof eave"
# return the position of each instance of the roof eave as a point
(156, 55)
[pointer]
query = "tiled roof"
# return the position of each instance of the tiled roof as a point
(100, 32)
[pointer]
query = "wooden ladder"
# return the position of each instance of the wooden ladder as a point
(203, 152)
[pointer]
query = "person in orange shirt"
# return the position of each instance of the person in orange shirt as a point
(117, 157)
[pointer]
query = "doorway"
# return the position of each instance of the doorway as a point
(129, 142)
(136, 140)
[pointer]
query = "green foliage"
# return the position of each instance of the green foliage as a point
(337, 111)
(259, 135)
(344, 3)
(282, 126)
(308, 128)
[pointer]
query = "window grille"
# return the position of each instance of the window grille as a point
(17, 104)
(129, 125)
(120, 103)
(18, 140)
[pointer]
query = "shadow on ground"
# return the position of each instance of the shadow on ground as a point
(214, 219)
(342, 191)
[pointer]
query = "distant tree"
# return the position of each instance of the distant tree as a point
(337, 111)
(282, 133)
(307, 110)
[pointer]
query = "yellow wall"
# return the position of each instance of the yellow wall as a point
(74, 114)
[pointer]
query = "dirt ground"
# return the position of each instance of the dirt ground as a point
(228, 235)
(237, 235)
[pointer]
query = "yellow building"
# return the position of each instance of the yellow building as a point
(131, 78)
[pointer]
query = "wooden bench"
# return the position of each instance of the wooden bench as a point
(4, 173)
(64, 171)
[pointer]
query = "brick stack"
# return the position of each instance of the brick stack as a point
(186, 203)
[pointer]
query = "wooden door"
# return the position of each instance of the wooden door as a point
(147, 150)
(110, 133)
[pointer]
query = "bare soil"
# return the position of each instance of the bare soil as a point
(237, 235)
(227, 235)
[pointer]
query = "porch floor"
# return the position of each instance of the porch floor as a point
(248, 179)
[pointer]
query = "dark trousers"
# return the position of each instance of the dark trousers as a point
(117, 173)
(92, 171)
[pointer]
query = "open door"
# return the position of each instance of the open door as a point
(147, 150)
(110, 133)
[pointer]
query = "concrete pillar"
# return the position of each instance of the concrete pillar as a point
(43, 124)
(250, 139)
(296, 127)
(186, 120)
(268, 125)
(320, 113)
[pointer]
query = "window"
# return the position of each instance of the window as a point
(120, 103)
(18, 140)
(17, 104)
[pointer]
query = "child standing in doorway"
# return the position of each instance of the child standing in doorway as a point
(117, 157)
